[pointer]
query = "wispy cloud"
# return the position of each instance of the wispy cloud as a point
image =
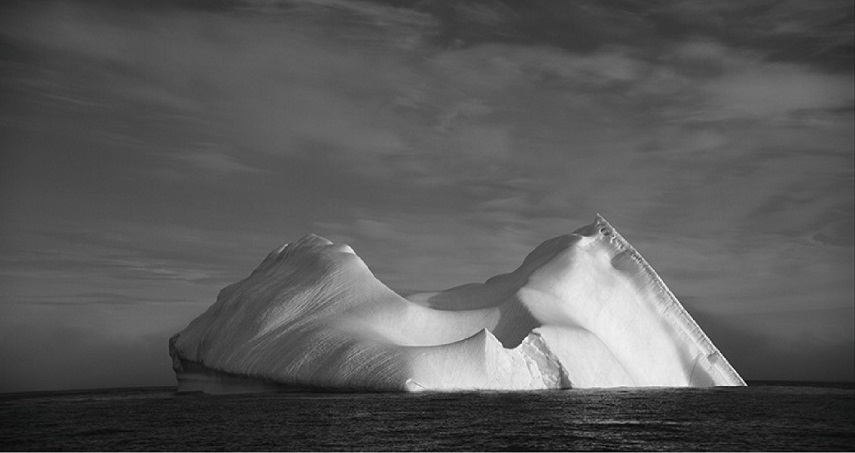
(212, 160)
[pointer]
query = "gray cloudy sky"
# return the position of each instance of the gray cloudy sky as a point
(152, 153)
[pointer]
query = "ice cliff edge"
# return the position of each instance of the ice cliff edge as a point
(583, 310)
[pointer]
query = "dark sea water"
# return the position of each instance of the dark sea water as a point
(759, 417)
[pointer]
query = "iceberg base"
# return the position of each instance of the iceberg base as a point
(195, 377)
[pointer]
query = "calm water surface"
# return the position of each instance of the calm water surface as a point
(759, 417)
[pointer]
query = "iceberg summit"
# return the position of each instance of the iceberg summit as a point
(583, 310)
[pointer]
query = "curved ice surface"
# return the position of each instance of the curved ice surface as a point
(583, 310)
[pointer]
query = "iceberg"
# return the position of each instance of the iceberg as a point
(583, 310)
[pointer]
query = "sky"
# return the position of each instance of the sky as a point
(153, 152)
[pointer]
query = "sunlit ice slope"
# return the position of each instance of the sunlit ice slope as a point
(583, 310)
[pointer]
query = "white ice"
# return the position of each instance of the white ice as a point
(583, 310)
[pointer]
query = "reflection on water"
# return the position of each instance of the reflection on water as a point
(759, 417)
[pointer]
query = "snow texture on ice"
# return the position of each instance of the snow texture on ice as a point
(583, 310)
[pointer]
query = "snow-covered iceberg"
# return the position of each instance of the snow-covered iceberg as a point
(583, 310)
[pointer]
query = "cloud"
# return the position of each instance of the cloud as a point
(383, 16)
(820, 32)
(492, 15)
(293, 92)
(215, 161)
(768, 90)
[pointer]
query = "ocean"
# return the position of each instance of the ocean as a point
(763, 416)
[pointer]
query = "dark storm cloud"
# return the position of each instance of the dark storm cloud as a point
(158, 153)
